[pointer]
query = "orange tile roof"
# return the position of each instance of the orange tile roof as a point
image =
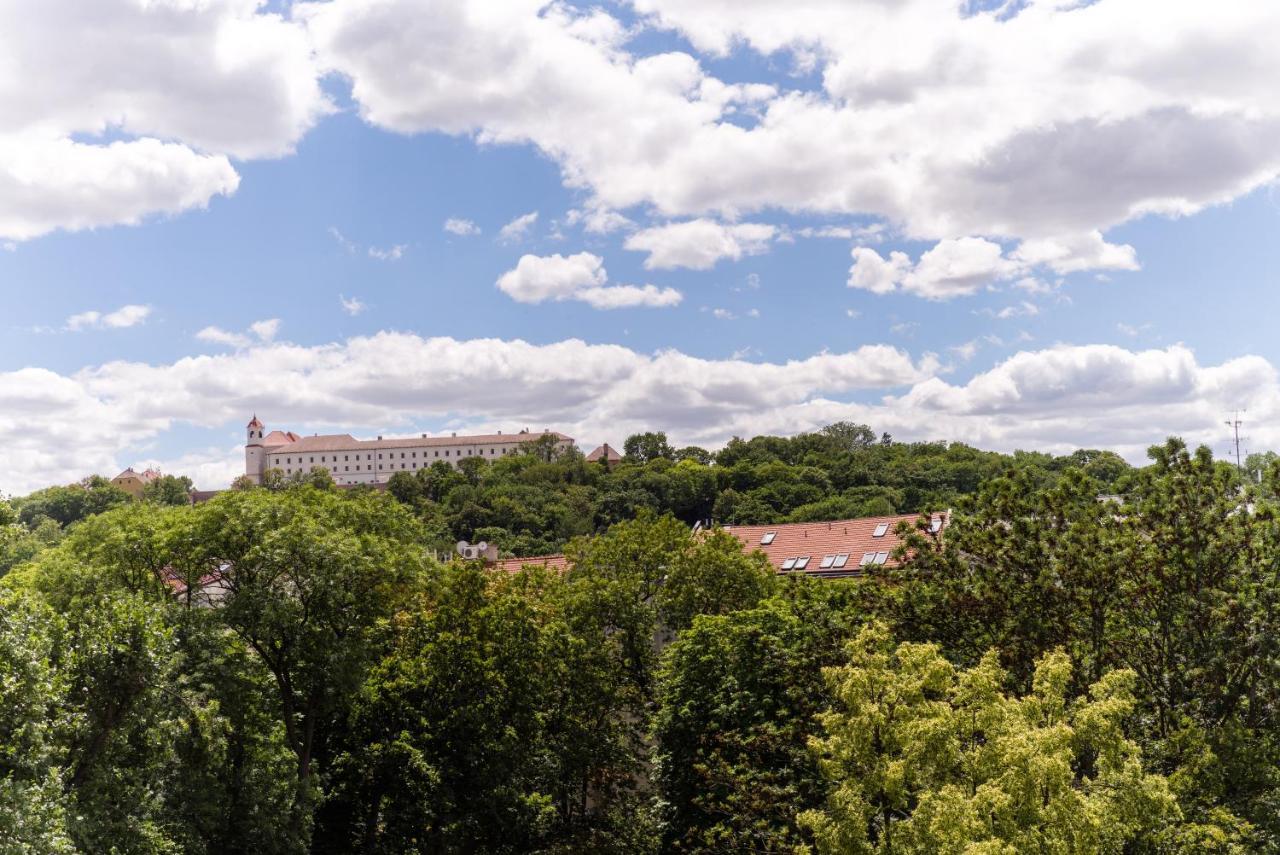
(346, 442)
(819, 541)
(605, 451)
(514, 565)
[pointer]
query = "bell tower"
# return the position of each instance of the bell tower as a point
(254, 459)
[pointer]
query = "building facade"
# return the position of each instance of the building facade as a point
(373, 461)
(133, 482)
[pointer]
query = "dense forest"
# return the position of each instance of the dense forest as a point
(1087, 659)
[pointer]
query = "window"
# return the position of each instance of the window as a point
(345, 457)
(935, 525)
(882, 557)
(402, 457)
(880, 530)
(841, 560)
(379, 457)
(346, 468)
(313, 460)
(802, 562)
(827, 561)
(867, 558)
(768, 538)
(788, 564)
(446, 452)
(437, 454)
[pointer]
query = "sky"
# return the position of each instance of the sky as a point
(1037, 225)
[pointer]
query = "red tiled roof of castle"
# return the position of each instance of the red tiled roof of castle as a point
(854, 539)
(345, 441)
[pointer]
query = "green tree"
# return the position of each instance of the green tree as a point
(923, 758)
(33, 806)
(647, 447)
(711, 576)
(738, 697)
(168, 490)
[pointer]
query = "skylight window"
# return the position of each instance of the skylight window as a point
(841, 560)
(789, 564)
(768, 538)
(867, 558)
(802, 563)
(882, 557)
(880, 530)
(935, 525)
(827, 561)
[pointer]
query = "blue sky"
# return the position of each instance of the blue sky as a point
(1149, 329)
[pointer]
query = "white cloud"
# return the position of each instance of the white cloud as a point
(352, 305)
(1042, 121)
(952, 268)
(537, 279)
(597, 220)
(122, 318)
(94, 417)
(259, 332)
(518, 229)
(461, 227)
(178, 87)
(699, 244)
(265, 330)
(1077, 252)
(1023, 309)
(393, 253)
(1056, 399)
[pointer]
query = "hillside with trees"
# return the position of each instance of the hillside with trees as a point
(1088, 661)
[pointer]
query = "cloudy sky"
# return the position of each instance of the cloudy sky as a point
(1044, 224)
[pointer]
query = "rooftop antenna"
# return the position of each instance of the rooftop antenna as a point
(1235, 423)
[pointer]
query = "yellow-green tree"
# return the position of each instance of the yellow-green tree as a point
(925, 758)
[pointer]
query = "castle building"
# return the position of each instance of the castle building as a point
(372, 461)
(133, 482)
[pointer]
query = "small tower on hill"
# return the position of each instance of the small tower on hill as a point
(253, 457)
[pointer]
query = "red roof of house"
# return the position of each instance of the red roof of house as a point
(844, 546)
(514, 565)
(605, 451)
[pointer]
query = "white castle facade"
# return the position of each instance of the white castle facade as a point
(371, 461)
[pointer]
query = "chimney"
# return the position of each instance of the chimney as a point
(379, 437)
(455, 433)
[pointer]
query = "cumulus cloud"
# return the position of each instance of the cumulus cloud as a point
(1042, 121)
(518, 229)
(259, 332)
(122, 318)
(1056, 399)
(391, 253)
(582, 277)
(461, 227)
(952, 268)
(180, 88)
(699, 244)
